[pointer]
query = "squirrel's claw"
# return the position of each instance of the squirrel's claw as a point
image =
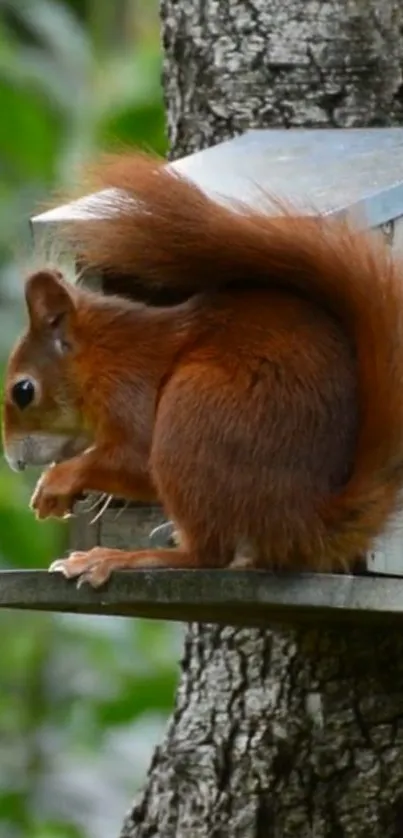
(93, 566)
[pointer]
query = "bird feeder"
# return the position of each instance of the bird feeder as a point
(326, 171)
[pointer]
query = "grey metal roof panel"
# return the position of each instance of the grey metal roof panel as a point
(320, 170)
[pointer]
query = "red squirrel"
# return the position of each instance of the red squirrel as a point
(264, 410)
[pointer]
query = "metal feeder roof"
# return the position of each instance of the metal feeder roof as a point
(320, 171)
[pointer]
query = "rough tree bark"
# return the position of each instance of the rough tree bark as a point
(284, 733)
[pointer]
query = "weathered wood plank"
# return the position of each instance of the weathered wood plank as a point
(243, 598)
(117, 527)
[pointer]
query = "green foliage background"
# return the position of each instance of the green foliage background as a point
(82, 700)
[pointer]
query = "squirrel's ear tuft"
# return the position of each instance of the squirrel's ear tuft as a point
(49, 298)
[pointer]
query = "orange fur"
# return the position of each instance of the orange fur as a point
(266, 410)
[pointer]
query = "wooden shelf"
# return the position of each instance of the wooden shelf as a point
(240, 598)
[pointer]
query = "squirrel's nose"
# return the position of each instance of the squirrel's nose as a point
(15, 463)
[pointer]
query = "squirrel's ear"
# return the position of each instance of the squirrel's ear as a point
(50, 300)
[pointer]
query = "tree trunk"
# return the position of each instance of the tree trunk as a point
(295, 732)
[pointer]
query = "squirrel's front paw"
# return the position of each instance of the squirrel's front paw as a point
(55, 492)
(94, 566)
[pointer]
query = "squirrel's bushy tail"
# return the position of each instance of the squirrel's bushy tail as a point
(161, 228)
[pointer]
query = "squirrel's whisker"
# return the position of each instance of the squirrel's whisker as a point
(102, 510)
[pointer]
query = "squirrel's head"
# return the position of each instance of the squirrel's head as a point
(42, 421)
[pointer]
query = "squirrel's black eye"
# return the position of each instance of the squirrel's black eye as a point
(23, 393)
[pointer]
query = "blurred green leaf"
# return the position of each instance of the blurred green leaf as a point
(55, 829)
(57, 29)
(74, 77)
(27, 136)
